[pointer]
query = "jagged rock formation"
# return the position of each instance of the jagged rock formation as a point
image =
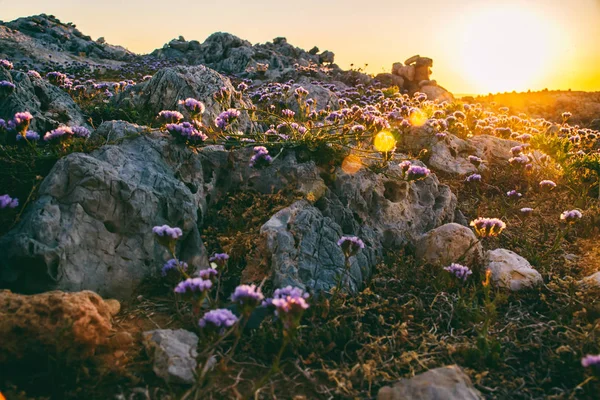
(91, 225)
(170, 85)
(415, 76)
(49, 105)
(229, 54)
(43, 39)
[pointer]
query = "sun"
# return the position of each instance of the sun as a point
(506, 49)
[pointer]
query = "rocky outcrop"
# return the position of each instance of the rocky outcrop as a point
(173, 353)
(300, 242)
(43, 40)
(170, 85)
(110, 131)
(70, 325)
(415, 76)
(91, 226)
(445, 383)
(49, 105)
(511, 271)
(229, 54)
(448, 244)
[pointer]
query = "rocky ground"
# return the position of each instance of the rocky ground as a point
(227, 220)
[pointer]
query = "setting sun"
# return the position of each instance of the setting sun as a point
(505, 49)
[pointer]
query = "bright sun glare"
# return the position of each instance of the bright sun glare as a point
(506, 49)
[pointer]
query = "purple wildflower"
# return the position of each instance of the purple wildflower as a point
(169, 117)
(34, 74)
(416, 172)
(6, 88)
(188, 131)
(350, 245)
(193, 285)
(476, 161)
(193, 106)
(459, 271)
(29, 135)
(526, 211)
(288, 113)
(591, 361)
(488, 227)
(247, 297)
(166, 232)
(173, 265)
(220, 259)
(60, 133)
(208, 273)
(218, 320)
(547, 185)
(571, 216)
(261, 157)
(20, 122)
(80, 131)
(226, 118)
(8, 202)
(473, 178)
(6, 64)
(513, 194)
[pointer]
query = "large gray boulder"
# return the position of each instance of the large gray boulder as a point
(170, 85)
(445, 383)
(49, 105)
(91, 226)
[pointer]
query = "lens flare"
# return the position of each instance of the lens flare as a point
(384, 142)
(351, 164)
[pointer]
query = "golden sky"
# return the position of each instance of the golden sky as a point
(478, 46)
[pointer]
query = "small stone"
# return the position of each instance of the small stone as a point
(174, 353)
(121, 340)
(113, 306)
(592, 281)
(511, 271)
(448, 244)
(445, 383)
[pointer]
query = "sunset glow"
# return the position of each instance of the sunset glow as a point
(477, 46)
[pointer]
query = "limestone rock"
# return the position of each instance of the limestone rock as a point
(49, 105)
(115, 130)
(56, 323)
(91, 226)
(390, 80)
(436, 93)
(592, 281)
(174, 354)
(170, 85)
(445, 383)
(511, 271)
(448, 244)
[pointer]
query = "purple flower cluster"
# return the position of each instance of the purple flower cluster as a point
(6, 64)
(261, 157)
(247, 297)
(459, 271)
(193, 285)
(34, 74)
(219, 258)
(513, 194)
(20, 122)
(488, 227)
(547, 185)
(6, 88)
(288, 113)
(571, 216)
(80, 131)
(416, 172)
(173, 265)
(60, 133)
(29, 135)
(476, 161)
(8, 202)
(57, 78)
(193, 106)
(591, 361)
(208, 273)
(473, 178)
(165, 231)
(169, 117)
(526, 211)
(226, 118)
(218, 320)
(350, 245)
(188, 131)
